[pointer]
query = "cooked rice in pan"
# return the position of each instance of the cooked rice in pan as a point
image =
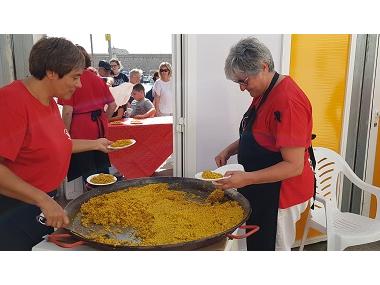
(215, 196)
(158, 215)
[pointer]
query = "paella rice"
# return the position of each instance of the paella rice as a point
(121, 143)
(216, 196)
(158, 215)
(208, 174)
(102, 178)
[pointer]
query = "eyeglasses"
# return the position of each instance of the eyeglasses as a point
(114, 65)
(242, 82)
(164, 70)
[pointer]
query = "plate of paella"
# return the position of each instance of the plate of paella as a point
(123, 143)
(101, 179)
(218, 174)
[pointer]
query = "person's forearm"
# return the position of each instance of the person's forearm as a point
(111, 109)
(84, 145)
(233, 148)
(119, 116)
(157, 104)
(278, 172)
(14, 187)
(148, 114)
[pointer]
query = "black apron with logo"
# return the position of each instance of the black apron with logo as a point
(264, 198)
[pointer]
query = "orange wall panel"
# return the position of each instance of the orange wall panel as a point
(319, 65)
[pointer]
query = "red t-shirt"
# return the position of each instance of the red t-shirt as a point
(293, 130)
(34, 142)
(93, 95)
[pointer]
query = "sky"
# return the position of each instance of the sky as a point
(134, 43)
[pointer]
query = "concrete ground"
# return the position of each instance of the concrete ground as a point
(322, 246)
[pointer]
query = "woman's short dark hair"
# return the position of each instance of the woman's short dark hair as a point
(54, 54)
(87, 58)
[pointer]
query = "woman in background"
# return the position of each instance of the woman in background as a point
(85, 118)
(163, 92)
(118, 77)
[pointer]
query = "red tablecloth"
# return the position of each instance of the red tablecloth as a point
(154, 144)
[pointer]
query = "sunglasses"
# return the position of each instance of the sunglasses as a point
(164, 70)
(241, 81)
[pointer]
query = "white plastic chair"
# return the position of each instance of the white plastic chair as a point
(343, 229)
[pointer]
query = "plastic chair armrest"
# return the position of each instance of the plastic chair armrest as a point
(367, 188)
(320, 198)
(330, 211)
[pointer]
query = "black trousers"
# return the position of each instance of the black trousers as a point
(264, 203)
(19, 229)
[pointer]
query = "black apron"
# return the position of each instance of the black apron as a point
(264, 198)
(89, 162)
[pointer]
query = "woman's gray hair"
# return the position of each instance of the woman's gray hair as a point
(247, 57)
(136, 71)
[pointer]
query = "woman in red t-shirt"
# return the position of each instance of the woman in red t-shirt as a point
(275, 134)
(86, 116)
(35, 147)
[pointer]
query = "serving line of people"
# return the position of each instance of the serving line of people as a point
(37, 145)
(161, 94)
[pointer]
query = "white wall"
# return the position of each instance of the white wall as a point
(6, 63)
(219, 102)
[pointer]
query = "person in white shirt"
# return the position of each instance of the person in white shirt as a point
(163, 92)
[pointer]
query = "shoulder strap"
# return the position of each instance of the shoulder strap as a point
(314, 164)
(269, 89)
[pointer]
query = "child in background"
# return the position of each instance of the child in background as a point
(141, 107)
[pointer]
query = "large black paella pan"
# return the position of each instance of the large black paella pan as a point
(202, 189)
